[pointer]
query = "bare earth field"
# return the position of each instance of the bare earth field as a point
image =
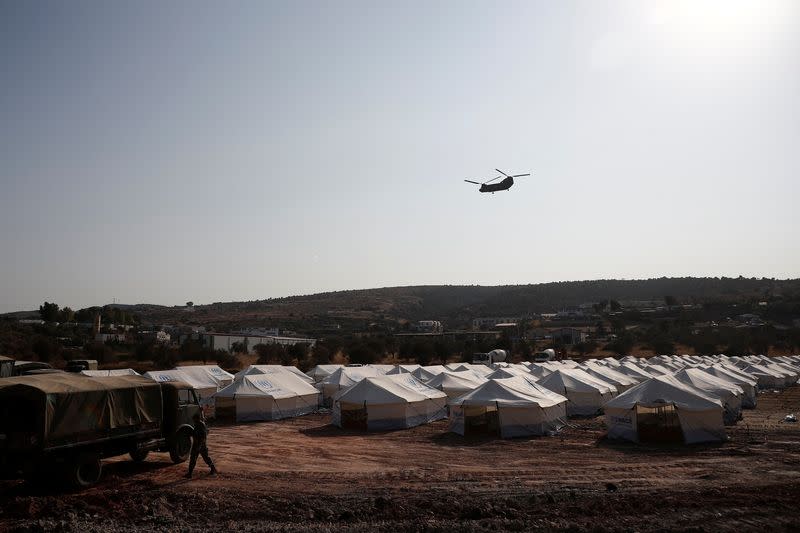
(303, 474)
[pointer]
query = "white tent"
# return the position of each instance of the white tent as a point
(381, 368)
(767, 378)
(479, 370)
(424, 373)
(271, 369)
(586, 394)
(455, 384)
(539, 371)
(388, 402)
(512, 407)
(748, 385)
(664, 409)
(320, 372)
(268, 395)
(730, 394)
(205, 383)
(608, 374)
(110, 373)
(207, 374)
(403, 369)
(343, 378)
(507, 372)
(633, 371)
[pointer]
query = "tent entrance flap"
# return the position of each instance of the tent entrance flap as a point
(481, 421)
(225, 409)
(354, 416)
(658, 424)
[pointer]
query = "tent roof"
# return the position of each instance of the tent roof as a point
(320, 371)
(610, 375)
(574, 379)
(350, 375)
(270, 369)
(705, 381)
(427, 372)
(273, 383)
(507, 372)
(510, 392)
(455, 381)
(665, 390)
(213, 375)
(401, 388)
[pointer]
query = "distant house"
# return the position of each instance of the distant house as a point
(158, 337)
(429, 326)
(109, 337)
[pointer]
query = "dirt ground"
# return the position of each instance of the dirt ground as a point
(304, 474)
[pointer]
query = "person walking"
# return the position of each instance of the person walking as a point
(199, 446)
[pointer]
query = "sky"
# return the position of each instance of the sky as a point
(164, 152)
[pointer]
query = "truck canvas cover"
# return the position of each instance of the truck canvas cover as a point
(60, 409)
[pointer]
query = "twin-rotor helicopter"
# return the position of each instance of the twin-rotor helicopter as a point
(488, 186)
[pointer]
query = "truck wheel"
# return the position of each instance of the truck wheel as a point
(181, 447)
(139, 455)
(85, 471)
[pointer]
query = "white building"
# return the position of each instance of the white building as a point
(225, 341)
(490, 322)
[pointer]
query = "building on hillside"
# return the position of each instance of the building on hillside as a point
(109, 337)
(158, 337)
(258, 332)
(226, 341)
(429, 326)
(490, 322)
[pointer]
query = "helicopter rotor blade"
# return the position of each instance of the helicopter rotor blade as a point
(470, 181)
(520, 175)
(503, 173)
(491, 180)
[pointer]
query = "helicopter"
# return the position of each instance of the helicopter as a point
(502, 186)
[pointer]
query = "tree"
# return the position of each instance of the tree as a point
(615, 305)
(443, 350)
(49, 312)
(67, 315)
(99, 351)
(270, 354)
(189, 304)
(297, 351)
(45, 348)
(361, 353)
(670, 301)
(238, 347)
(424, 352)
(321, 354)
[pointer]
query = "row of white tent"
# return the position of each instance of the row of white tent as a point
(693, 396)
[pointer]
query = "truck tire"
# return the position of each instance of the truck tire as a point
(181, 447)
(85, 470)
(139, 456)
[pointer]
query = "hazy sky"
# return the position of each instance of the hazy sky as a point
(169, 151)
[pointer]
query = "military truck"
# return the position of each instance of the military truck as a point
(63, 425)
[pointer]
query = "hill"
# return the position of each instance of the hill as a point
(457, 305)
